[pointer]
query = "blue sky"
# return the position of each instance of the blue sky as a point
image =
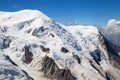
(89, 12)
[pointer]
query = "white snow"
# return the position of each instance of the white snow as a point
(80, 40)
(9, 71)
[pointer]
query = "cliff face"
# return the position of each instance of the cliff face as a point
(113, 56)
(44, 49)
(113, 51)
(51, 70)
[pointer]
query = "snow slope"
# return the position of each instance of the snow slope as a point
(9, 71)
(28, 36)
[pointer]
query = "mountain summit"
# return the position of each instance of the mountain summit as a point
(38, 48)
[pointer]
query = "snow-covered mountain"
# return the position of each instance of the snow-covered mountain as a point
(36, 47)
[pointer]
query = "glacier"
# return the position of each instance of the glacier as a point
(44, 49)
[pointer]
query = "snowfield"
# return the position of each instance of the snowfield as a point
(8, 71)
(48, 50)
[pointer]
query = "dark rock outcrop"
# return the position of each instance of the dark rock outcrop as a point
(30, 78)
(38, 32)
(98, 68)
(8, 58)
(108, 76)
(28, 57)
(64, 50)
(51, 70)
(6, 42)
(44, 49)
(51, 35)
(77, 58)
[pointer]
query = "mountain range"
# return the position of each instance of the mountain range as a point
(35, 47)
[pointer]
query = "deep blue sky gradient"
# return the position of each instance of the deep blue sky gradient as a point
(90, 12)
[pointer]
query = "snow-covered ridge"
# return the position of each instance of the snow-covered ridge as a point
(9, 70)
(34, 42)
(22, 18)
(22, 15)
